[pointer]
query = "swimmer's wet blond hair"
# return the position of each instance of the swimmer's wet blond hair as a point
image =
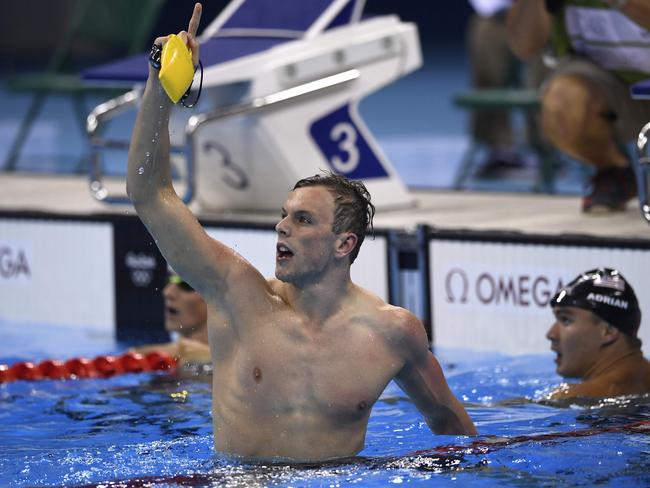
(353, 211)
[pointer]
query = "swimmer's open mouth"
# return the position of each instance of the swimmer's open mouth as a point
(172, 311)
(283, 252)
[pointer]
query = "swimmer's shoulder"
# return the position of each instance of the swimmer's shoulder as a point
(567, 391)
(398, 324)
(629, 376)
(634, 378)
(611, 384)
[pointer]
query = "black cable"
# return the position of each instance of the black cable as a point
(187, 93)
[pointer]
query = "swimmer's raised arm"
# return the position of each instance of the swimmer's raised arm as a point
(202, 261)
(423, 381)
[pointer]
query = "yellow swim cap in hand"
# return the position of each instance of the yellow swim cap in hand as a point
(176, 69)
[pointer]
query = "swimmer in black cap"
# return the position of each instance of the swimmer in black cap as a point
(595, 337)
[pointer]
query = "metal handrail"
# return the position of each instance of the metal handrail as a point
(275, 98)
(261, 103)
(119, 104)
(644, 171)
(94, 121)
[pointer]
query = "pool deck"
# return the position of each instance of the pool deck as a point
(528, 213)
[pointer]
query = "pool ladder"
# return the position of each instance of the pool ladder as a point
(643, 160)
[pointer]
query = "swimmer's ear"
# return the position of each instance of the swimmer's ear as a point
(345, 243)
(610, 334)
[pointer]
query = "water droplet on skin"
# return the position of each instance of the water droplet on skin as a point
(140, 170)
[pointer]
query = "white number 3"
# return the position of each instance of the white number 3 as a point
(346, 135)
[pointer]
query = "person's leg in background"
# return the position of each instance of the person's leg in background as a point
(492, 65)
(588, 114)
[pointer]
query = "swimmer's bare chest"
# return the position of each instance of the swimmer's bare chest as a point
(308, 375)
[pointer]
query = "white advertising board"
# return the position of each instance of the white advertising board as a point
(57, 273)
(369, 270)
(494, 296)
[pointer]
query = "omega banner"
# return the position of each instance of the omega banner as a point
(58, 273)
(108, 276)
(495, 296)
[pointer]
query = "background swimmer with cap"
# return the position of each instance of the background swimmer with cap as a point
(595, 337)
(186, 317)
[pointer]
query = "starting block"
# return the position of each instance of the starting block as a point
(292, 74)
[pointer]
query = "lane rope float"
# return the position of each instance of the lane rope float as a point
(79, 367)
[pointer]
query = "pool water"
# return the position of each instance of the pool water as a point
(155, 430)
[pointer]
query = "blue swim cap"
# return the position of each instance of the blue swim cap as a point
(606, 294)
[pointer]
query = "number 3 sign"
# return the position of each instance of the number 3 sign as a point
(342, 144)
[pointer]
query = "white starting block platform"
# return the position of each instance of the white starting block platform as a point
(281, 86)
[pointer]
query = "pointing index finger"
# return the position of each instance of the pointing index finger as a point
(195, 20)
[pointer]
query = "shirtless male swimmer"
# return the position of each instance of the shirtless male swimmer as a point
(597, 317)
(298, 360)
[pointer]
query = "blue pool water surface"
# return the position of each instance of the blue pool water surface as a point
(155, 430)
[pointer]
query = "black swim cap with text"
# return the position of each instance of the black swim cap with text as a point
(606, 294)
